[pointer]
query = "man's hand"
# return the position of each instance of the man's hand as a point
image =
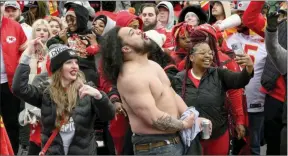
(245, 60)
(119, 109)
(240, 129)
(272, 21)
(88, 90)
(189, 121)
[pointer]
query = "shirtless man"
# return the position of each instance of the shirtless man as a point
(152, 105)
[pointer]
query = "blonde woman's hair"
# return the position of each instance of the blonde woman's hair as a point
(41, 53)
(65, 99)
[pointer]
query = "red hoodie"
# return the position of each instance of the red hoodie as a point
(254, 20)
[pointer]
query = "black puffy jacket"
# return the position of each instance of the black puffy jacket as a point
(209, 97)
(84, 115)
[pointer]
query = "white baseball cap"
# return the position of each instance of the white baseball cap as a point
(13, 4)
(241, 6)
(156, 37)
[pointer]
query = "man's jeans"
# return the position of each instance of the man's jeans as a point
(171, 149)
(256, 126)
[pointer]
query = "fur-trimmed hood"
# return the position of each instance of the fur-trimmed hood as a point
(197, 10)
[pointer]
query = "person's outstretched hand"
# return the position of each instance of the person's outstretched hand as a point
(272, 21)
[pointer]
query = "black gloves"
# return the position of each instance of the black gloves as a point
(272, 21)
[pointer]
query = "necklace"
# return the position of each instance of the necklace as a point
(196, 77)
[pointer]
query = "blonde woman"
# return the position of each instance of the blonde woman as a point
(41, 29)
(55, 24)
(67, 104)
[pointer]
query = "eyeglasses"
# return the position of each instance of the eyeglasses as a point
(202, 52)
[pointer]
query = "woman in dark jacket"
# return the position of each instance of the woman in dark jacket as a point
(67, 103)
(204, 87)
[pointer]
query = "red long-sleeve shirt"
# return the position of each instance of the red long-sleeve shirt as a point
(253, 18)
(235, 95)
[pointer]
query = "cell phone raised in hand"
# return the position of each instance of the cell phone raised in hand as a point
(237, 48)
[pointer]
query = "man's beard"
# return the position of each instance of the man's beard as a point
(243, 29)
(149, 26)
(147, 47)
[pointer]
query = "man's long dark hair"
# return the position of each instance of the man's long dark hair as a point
(159, 56)
(112, 57)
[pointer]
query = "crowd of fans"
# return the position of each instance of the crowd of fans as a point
(64, 67)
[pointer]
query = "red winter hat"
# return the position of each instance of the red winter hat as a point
(124, 18)
(181, 29)
(204, 33)
(208, 29)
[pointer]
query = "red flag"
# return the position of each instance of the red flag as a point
(5, 145)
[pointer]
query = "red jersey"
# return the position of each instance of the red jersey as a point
(13, 42)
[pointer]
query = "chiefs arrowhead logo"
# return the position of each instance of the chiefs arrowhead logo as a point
(10, 39)
(72, 53)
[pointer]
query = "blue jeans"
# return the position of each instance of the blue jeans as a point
(169, 149)
(256, 127)
(172, 149)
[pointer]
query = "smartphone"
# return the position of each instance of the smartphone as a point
(237, 48)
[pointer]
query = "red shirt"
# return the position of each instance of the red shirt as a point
(193, 79)
(35, 134)
(279, 91)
